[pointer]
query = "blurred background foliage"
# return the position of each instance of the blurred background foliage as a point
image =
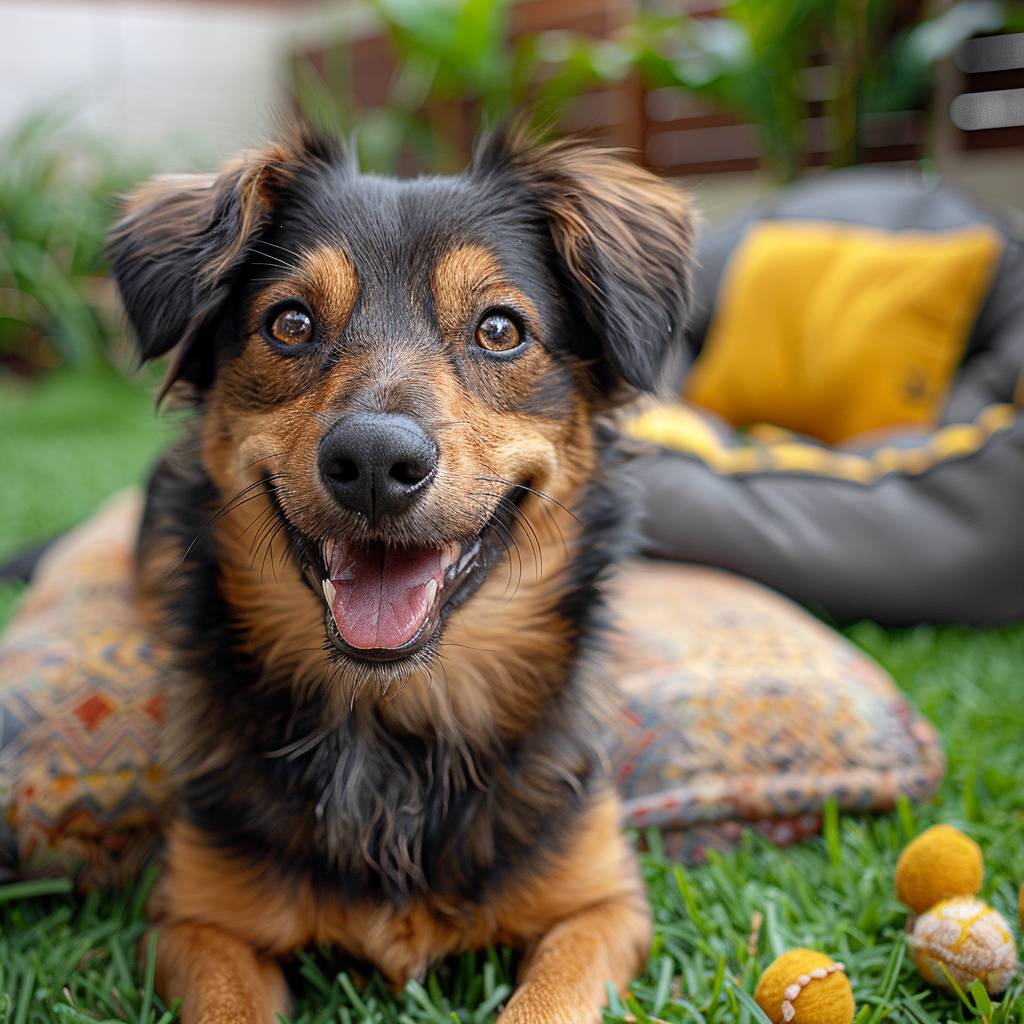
(751, 60)
(58, 189)
(457, 64)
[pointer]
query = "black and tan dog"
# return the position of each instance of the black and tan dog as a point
(379, 553)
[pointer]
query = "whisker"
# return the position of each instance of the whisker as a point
(528, 528)
(276, 263)
(547, 510)
(468, 647)
(271, 256)
(268, 549)
(501, 536)
(283, 248)
(264, 538)
(241, 498)
(262, 514)
(262, 458)
(532, 490)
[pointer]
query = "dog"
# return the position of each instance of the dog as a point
(379, 553)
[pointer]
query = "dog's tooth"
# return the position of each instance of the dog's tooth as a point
(449, 554)
(469, 554)
(329, 592)
(431, 591)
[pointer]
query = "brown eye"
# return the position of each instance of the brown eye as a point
(498, 333)
(292, 327)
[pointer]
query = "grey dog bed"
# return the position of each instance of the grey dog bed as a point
(943, 543)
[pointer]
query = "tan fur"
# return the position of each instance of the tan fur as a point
(219, 979)
(602, 193)
(583, 919)
(326, 277)
(468, 279)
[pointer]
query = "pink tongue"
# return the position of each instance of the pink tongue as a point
(380, 593)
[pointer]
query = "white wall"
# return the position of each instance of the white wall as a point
(196, 78)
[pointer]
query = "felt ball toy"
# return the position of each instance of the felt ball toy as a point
(939, 864)
(970, 939)
(805, 987)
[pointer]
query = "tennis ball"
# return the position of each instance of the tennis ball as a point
(970, 939)
(805, 987)
(939, 864)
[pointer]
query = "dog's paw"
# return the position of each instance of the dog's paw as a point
(530, 1006)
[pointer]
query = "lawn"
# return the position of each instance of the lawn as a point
(68, 443)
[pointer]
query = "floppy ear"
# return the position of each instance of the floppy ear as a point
(176, 251)
(624, 238)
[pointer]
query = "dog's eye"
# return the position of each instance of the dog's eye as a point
(292, 327)
(497, 332)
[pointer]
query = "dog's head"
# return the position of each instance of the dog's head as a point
(406, 366)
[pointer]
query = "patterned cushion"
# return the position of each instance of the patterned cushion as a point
(80, 709)
(740, 710)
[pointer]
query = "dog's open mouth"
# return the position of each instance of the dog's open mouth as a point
(385, 602)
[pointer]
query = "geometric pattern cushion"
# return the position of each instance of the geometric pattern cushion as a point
(740, 710)
(80, 711)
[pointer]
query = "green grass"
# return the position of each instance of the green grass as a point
(70, 959)
(65, 445)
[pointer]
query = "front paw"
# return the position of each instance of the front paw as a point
(537, 1005)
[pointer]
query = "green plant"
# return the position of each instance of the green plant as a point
(749, 61)
(900, 77)
(454, 63)
(454, 67)
(753, 61)
(58, 186)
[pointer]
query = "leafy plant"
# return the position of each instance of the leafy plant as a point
(454, 67)
(57, 198)
(902, 77)
(453, 62)
(753, 61)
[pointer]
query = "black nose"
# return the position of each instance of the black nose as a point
(377, 463)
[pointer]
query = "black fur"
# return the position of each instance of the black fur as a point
(22, 566)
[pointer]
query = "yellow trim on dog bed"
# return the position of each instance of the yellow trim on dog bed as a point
(682, 429)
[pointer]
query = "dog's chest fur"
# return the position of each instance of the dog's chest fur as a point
(366, 812)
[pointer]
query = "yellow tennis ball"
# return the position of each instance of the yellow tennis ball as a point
(805, 987)
(972, 940)
(939, 864)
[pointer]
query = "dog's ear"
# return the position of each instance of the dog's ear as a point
(176, 251)
(624, 241)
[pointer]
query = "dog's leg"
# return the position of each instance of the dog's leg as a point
(591, 926)
(219, 979)
(565, 980)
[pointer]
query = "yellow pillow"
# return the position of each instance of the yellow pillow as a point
(833, 330)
